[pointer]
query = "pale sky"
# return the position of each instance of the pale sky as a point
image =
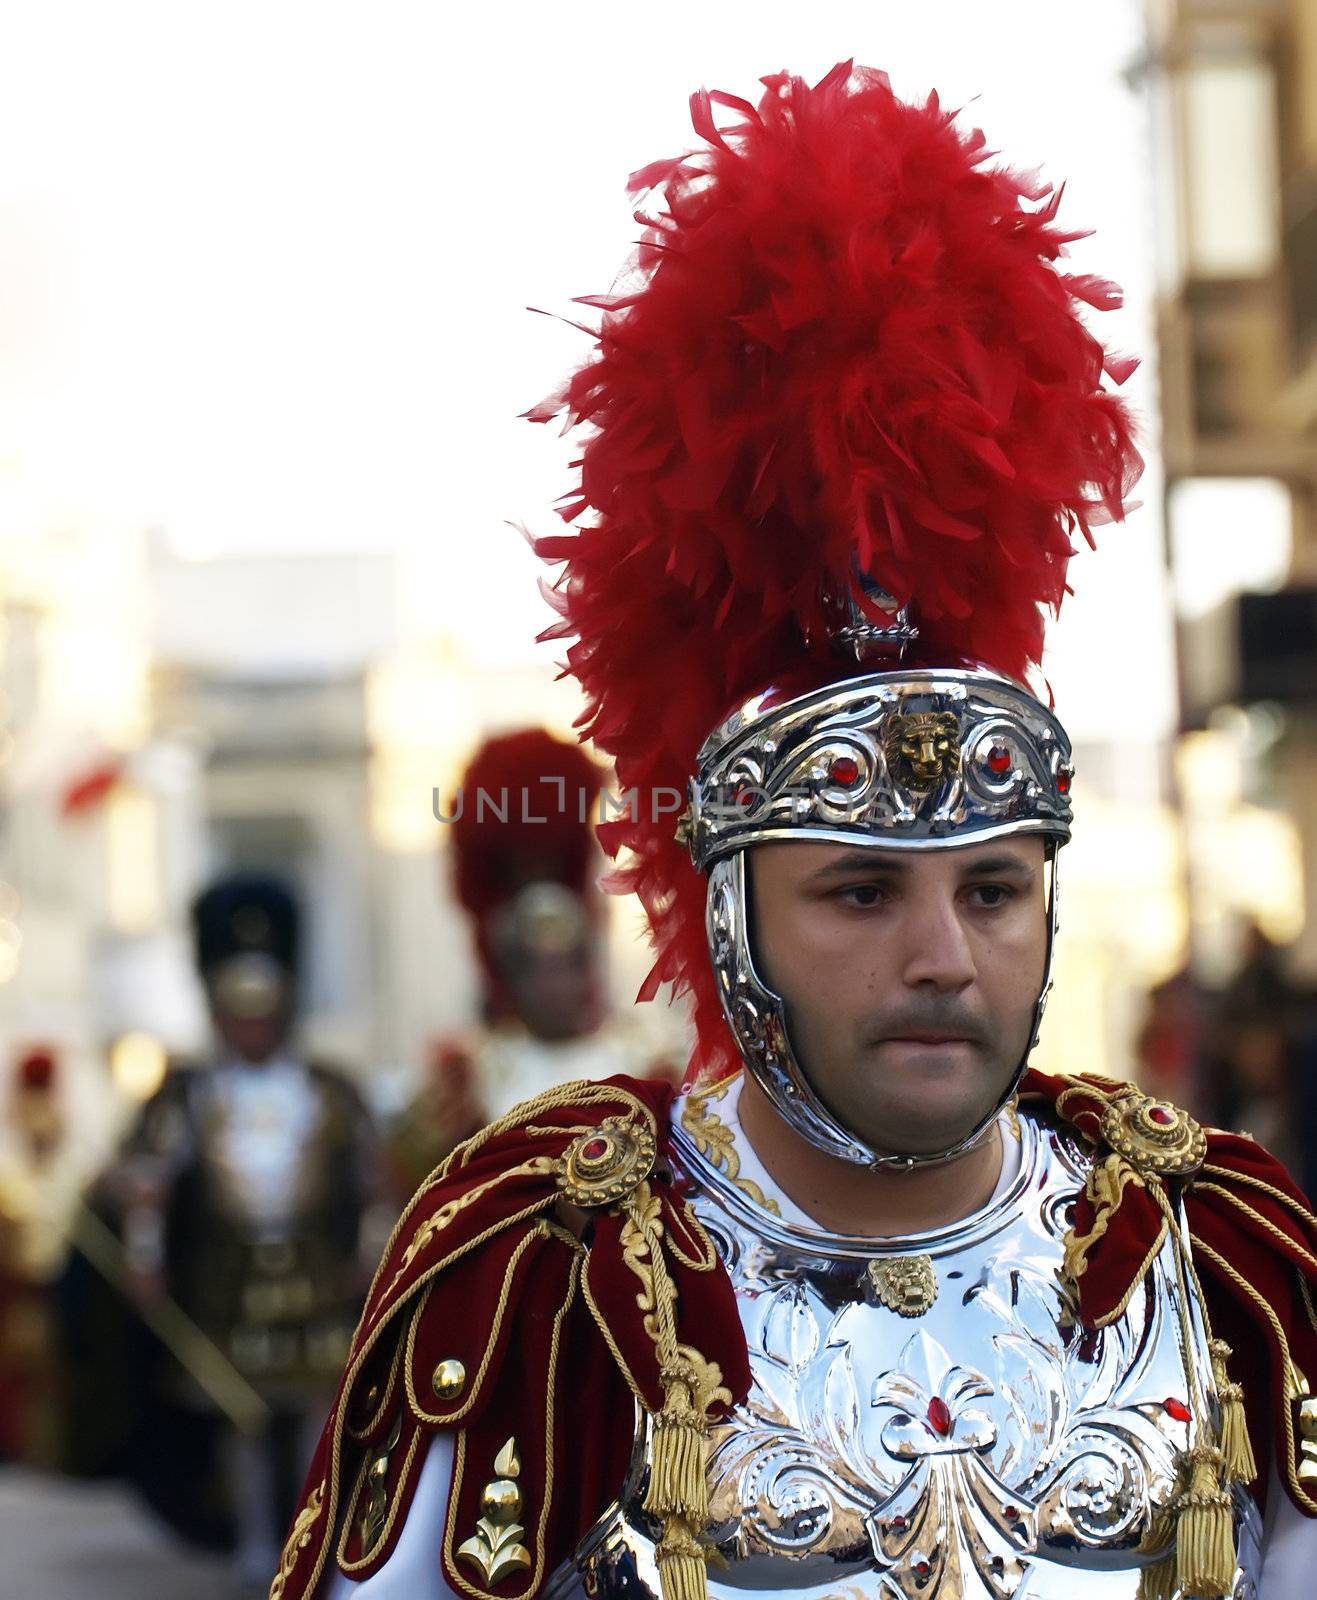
(264, 267)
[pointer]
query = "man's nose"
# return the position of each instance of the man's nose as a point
(937, 948)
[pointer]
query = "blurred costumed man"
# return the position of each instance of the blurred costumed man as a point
(524, 860)
(243, 1189)
(874, 1311)
(40, 1180)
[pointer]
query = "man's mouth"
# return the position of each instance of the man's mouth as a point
(925, 1036)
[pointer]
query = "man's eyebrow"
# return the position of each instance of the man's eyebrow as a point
(999, 867)
(892, 863)
(859, 861)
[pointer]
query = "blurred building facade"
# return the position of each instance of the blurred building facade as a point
(167, 720)
(1235, 94)
(74, 703)
(163, 720)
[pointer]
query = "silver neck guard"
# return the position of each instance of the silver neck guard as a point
(905, 760)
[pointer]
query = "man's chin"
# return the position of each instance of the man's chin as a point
(938, 1118)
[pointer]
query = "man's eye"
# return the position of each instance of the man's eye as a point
(862, 894)
(992, 895)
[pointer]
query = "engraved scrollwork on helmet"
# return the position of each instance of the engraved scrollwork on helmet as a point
(749, 1008)
(904, 758)
(1002, 770)
(832, 771)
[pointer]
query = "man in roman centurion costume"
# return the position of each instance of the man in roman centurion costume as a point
(872, 1309)
(524, 859)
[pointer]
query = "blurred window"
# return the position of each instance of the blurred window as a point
(1228, 535)
(1231, 174)
(132, 858)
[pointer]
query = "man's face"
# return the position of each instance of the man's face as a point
(555, 993)
(909, 978)
(252, 1006)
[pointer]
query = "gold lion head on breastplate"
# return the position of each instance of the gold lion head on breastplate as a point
(922, 748)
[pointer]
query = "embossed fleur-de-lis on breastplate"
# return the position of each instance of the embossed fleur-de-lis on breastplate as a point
(951, 1526)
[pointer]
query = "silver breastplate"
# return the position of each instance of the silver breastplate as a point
(983, 1448)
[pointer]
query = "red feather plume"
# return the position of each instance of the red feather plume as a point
(848, 343)
(534, 826)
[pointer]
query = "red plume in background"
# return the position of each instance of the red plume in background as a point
(848, 343)
(535, 826)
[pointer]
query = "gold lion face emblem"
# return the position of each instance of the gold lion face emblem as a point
(922, 748)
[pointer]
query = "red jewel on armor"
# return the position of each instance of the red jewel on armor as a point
(999, 759)
(939, 1416)
(844, 770)
(1177, 1409)
(1163, 1116)
(1010, 1513)
(1063, 778)
(922, 1569)
(898, 1524)
(594, 1149)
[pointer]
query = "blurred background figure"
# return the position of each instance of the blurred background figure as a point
(1258, 1027)
(1172, 1040)
(1241, 1054)
(524, 865)
(38, 1188)
(240, 1197)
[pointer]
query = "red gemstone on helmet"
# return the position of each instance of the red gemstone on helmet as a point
(1163, 1116)
(1010, 1513)
(999, 759)
(593, 1149)
(939, 1416)
(1063, 780)
(844, 770)
(898, 1524)
(1177, 1409)
(922, 1569)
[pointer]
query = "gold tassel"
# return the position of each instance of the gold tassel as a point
(677, 1482)
(678, 1488)
(681, 1564)
(1157, 1582)
(1236, 1446)
(1205, 1561)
